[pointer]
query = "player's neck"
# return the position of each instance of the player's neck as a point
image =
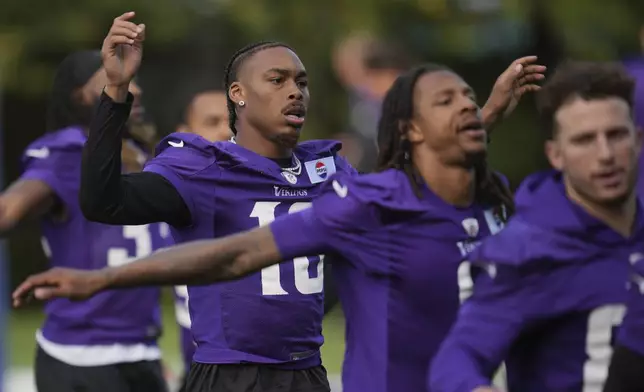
(620, 216)
(453, 184)
(261, 146)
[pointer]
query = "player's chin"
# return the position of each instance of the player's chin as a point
(289, 136)
(475, 150)
(613, 196)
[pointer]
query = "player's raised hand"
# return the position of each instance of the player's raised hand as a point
(59, 282)
(521, 77)
(486, 389)
(123, 49)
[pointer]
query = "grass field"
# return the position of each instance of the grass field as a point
(24, 323)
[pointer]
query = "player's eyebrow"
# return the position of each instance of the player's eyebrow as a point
(287, 72)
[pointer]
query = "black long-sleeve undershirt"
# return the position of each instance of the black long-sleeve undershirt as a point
(106, 195)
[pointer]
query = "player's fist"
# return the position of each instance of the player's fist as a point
(123, 49)
(486, 389)
(60, 282)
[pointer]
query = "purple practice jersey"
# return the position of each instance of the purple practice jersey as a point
(129, 316)
(273, 316)
(398, 271)
(550, 296)
(631, 333)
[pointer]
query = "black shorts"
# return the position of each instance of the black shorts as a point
(53, 375)
(626, 371)
(255, 378)
(182, 382)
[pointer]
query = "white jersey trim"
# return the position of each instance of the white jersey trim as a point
(78, 355)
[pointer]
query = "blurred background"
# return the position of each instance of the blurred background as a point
(352, 50)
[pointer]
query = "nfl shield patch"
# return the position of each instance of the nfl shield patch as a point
(320, 169)
(471, 226)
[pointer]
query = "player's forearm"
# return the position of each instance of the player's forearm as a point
(194, 263)
(454, 370)
(199, 262)
(471, 353)
(100, 191)
(24, 200)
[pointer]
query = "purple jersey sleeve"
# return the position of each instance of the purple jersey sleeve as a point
(341, 220)
(56, 167)
(487, 324)
(343, 166)
(180, 159)
(631, 333)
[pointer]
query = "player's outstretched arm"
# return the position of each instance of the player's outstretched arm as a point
(487, 324)
(518, 79)
(193, 263)
(24, 199)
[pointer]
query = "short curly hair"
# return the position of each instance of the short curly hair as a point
(585, 80)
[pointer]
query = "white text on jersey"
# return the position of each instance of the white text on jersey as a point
(288, 192)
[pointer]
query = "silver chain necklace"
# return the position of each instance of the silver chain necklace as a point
(295, 170)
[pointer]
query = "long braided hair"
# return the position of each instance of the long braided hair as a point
(230, 73)
(64, 109)
(395, 148)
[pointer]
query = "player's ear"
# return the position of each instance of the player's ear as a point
(236, 93)
(553, 152)
(412, 131)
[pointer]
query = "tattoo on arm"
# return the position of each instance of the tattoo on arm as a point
(200, 262)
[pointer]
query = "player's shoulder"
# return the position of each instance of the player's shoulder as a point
(389, 190)
(180, 143)
(67, 141)
(184, 152)
(312, 149)
(514, 245)
(64, 139)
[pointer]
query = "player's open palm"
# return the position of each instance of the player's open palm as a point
(59, 282)
(521, 77)
(123, 49)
